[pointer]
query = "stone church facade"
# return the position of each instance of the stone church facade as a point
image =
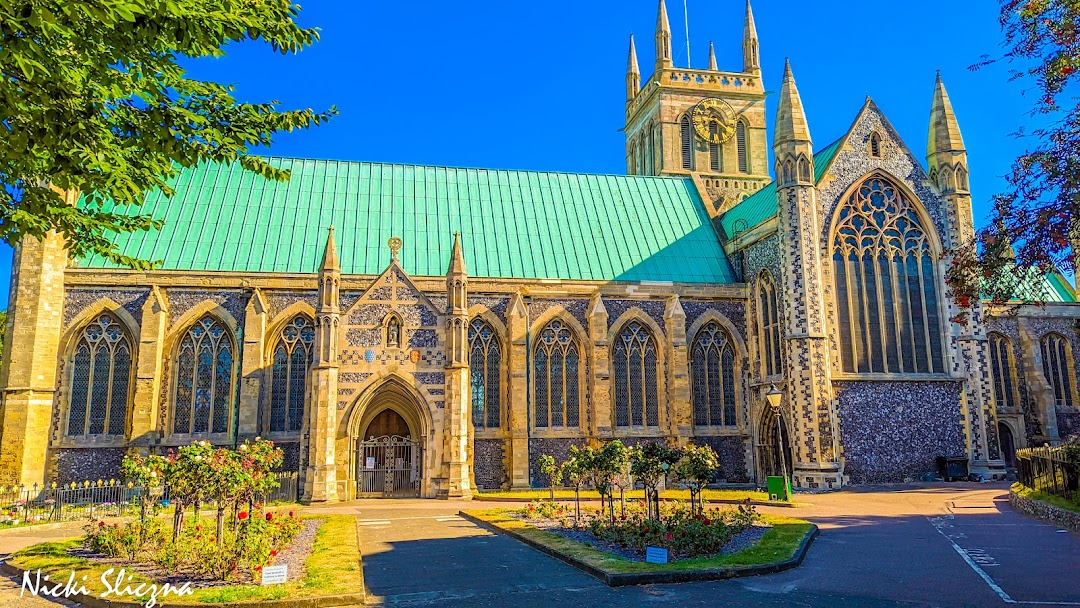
(402, 329)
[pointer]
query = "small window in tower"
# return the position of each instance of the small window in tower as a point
(687, 143)
(631, 164)
(714, 148)
(740, 139)
(875, 145)
(643, 163)
(650, 151)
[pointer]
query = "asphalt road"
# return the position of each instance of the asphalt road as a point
(947, 545)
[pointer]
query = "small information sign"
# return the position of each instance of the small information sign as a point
(274, 575)
(370, 463)
(656, 555)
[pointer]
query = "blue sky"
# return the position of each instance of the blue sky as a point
(541, 85)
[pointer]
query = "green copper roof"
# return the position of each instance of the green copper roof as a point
(761, 205)
(514, 224)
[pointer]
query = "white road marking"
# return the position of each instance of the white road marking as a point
(978, 555)
(449, 518)
(374, 522)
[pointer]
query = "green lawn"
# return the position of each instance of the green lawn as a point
(333, 568)
(1057, 501)
(778, 544)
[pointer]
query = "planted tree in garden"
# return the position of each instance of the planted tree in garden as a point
(147, 473)
(259, 459)
(1035, 223)
(576, 471)
(650, 464)
(189, 477)
(696, 470)
(609, 463)
(550, 469)
(94, 100)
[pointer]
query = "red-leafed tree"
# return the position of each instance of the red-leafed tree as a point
(1035, 223)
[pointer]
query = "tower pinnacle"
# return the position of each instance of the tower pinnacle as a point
(663, 38)
(712, 57)
(330, 256)
(791, 125)
(944, 129)
(633, 74)
(751, 54)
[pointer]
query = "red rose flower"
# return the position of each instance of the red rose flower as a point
(290, 513)
(116, 525)
(708, 521)
(243, 515)
(273, 553)
(669, 536)
(101, 524)
(258, 568)
(198, 528)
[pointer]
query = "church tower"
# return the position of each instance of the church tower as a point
(704, 123)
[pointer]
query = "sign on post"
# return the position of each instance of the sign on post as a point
(656, 555)
(274, 575)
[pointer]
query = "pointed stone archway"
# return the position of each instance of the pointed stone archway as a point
(769, 445)
(389, 430)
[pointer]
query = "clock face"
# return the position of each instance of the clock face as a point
(712, 111)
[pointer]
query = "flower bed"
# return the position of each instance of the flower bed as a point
(627, 530)
(326, 574)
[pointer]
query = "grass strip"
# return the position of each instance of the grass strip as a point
(1050, 499)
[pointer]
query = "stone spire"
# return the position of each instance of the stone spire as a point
(791, 125)
(330, 257)
(712, 57)
(945, 135)
(457, 292)
(751, 52)
(633, 73)
(457, 259)
(663, 38)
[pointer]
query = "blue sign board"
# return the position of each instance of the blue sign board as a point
(655, 555)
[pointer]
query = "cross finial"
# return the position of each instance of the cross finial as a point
(395, 245)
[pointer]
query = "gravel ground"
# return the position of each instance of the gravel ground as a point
(297, 552)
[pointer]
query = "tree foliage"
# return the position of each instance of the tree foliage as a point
(650, 464)
(1035, 223)
(93, 99)
(696, 469)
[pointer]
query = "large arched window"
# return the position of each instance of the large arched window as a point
(769, 323)
(1003, 369)
(205, 378)
(100, 379)
(886, 284)
(743, 145)
(484, 365)
(686, 136)
(633, 362)
(712, 376)
(293, 356)
(1058, 367)
(557, 365)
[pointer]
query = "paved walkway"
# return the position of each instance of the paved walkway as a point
(917, 545)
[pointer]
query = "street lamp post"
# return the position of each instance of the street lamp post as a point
(773, 397)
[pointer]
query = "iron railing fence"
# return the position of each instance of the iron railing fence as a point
(1047, 470)
(89, 500)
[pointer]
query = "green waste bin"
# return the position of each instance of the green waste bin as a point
(779, 488)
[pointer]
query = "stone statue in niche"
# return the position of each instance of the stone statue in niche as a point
(393, 333)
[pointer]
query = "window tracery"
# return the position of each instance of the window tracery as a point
(485, 357)
(635, 380)
(101, 369)
(292, 359)
(712, 376)
(205, 378)
(557, 383)
(769, 322)
(1003, 370)
(1058, 367)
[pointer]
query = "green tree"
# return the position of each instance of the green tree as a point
(188, 476)
(1035, 224)
(553, 471)
(650, 464)
(696, 469)
(609, 463)
(93, 99)
(576, 470)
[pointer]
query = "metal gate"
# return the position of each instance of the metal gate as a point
(389, 467)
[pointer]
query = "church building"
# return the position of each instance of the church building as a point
(405, 330)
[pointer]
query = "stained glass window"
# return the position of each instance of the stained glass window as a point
(712, 377)
(886, 284)
(100, 379)
(205, 379)
(635, 369)
(1057, 367)
(484, 370)
(1003, 370)
(769, 315)
(293, 356)
(557, 372)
